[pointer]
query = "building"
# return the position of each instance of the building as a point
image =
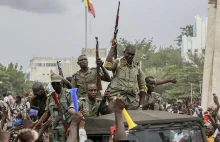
(40, 67)
(195, 44)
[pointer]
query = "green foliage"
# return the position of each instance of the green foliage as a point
(188, 31)
(196, 60)
(144, 47)
(185, 75)
(12, 79)
(163, 57)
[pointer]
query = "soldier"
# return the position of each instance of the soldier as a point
(52, 109)
(153, 100)
(128, 77)
(87, 75)
(90, 105)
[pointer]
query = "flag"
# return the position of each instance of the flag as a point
(89, 5)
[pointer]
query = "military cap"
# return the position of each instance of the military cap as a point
(56, 78)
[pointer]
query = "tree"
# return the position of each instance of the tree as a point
(163, 57)
(186, 75)
(143, 47)
(12, 79)
(16, 77)
(197, 60)
(188, 31)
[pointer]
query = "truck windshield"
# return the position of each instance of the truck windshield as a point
(168, 134)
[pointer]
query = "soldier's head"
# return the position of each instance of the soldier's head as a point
(151, 83)
(38, 89)
(129, 53)
(82, 61)
(56, 83)
(92, 91)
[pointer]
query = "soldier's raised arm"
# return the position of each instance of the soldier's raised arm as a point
(142, 86)
(104, 73)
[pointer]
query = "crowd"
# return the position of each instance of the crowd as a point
(50, 114)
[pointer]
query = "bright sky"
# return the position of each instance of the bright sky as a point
(55, 28)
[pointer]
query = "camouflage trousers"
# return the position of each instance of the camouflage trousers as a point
(58, 135)
(131, 103)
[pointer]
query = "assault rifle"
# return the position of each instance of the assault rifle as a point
(61, 111)
(99, 83)
(59, 68)
(116, 31)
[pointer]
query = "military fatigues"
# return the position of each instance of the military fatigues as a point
(81, 80)
(128, 80)
(155, 106)
(90, 107)
(51, 107)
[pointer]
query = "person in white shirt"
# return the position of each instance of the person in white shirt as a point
(5, 98)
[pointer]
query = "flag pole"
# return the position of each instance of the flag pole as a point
(86, 30)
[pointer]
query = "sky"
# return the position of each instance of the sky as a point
(56, 28)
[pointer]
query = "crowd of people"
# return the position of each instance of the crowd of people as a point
(49, 114)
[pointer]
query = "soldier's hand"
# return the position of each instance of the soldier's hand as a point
(114, 43)
(99, 62)
(153, 100)
(83, 112)
(106, 95)
(173, 80)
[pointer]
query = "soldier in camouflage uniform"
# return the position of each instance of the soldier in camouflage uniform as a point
(52, 109)
(153, 100)
(87, 75)
(89, 106)
(128, 78)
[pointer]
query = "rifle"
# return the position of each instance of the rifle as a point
(59, 68)
(99, 83)
(100, 108)
(61, 111)
(116, 30)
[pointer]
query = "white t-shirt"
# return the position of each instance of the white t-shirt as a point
(6, 99)
(11, 99)
(82, 135)
(178, 137)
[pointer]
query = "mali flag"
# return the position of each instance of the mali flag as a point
(89, 5)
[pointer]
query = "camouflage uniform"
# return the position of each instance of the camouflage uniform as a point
(51, 107)
(156, 106)
(128, 80)
(90, 107)
(81, 80)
